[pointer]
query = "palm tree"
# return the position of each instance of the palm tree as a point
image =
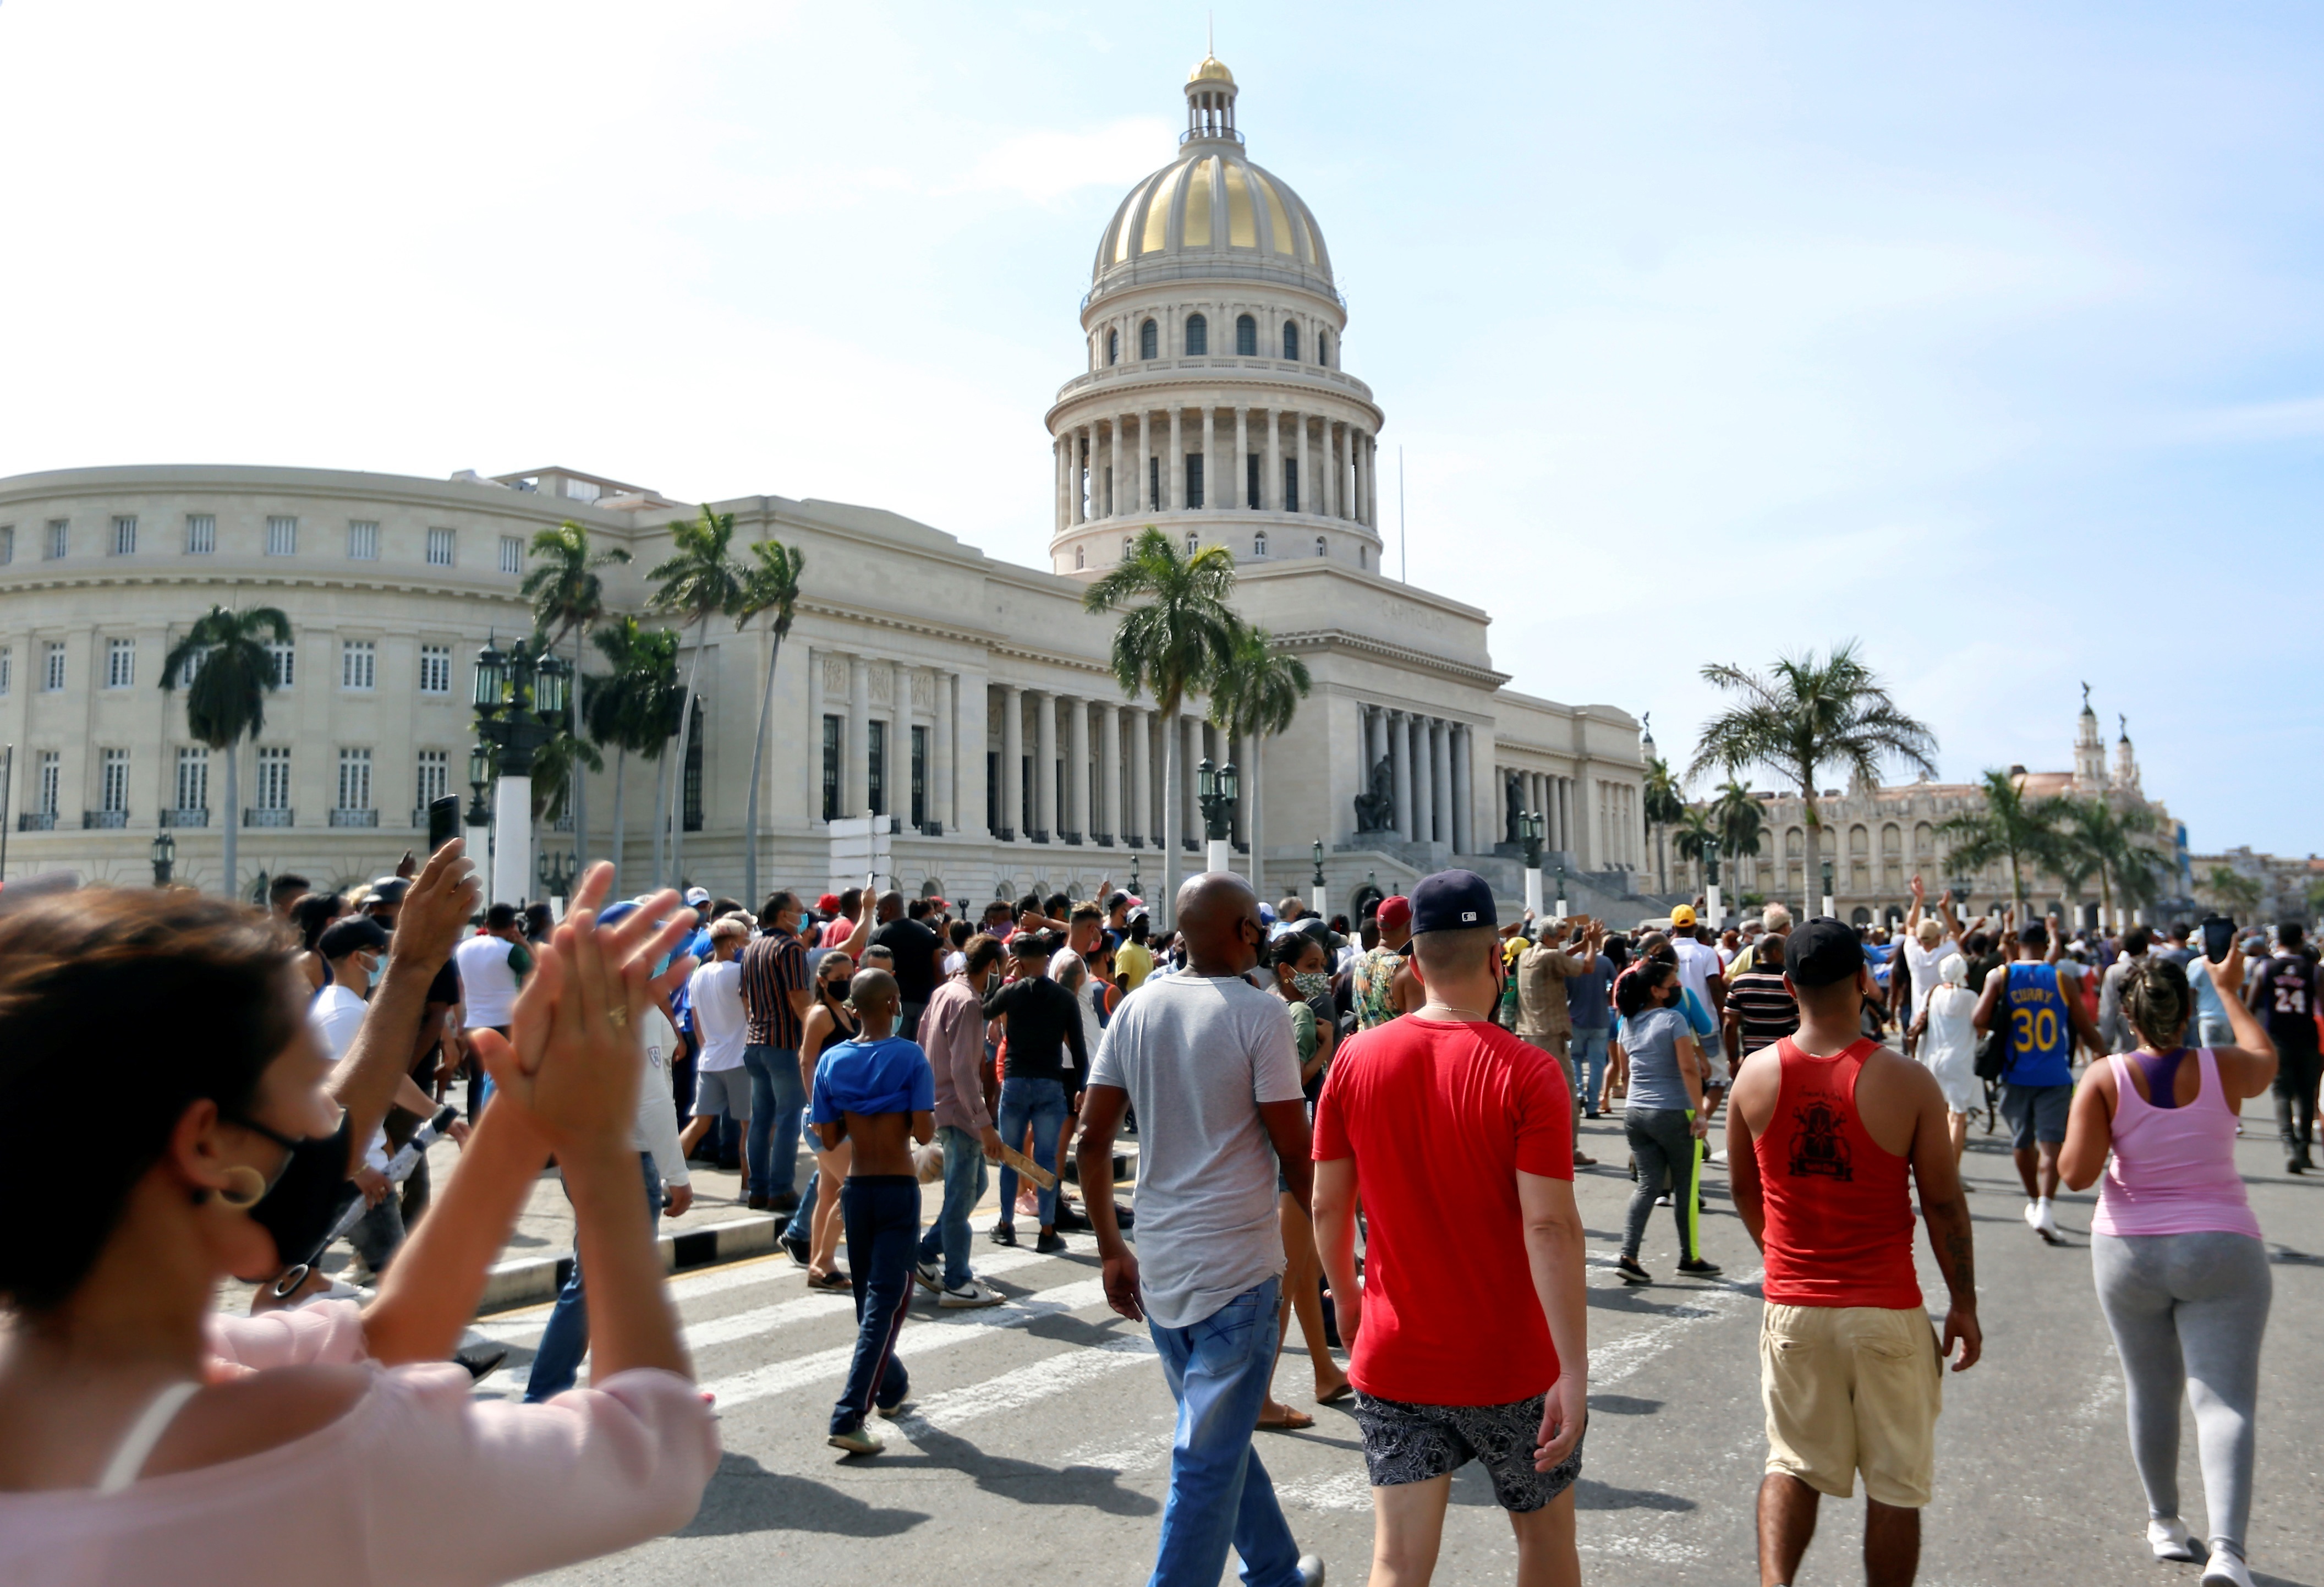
(227, 671)
(771, 588)
(630, 707)
(1255, 692)
(698, 582)
(1664, 805)
(1738, 818)
(1698, 834)
(2025, 832)
(1808, 715)
(1169, 641)
(555, 783)
(2239, 893)
(2103, 839)
(567, 596)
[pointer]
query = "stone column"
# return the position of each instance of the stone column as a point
(1113, 469)
(1424, 779)
(1440, 754)
(1045, 765)
(1464, 796)
(1174, 467)
(1108, 772)
(946, 704)
(1057, 481)
(1190, 807)
(1009, 821)
(1144, 451)
(1270, 469)
(1210, 459)
(1078, 825)
(1371, 482)
(1306, 473)
(1399, 749)
(1346, 473)
(1243, 457)
(1327, 465)
(857, 793)
(1140, 824)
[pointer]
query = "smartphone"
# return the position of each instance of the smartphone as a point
(2218, 936)
(443, 821)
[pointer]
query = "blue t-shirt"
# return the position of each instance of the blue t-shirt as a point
(891, 1075)
(1586, 995)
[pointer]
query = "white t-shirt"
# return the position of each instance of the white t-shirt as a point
(1197, 1057)
(488, 982)
(1696, 966)
(719, 1017)
(337, 1013)
(1923, 963)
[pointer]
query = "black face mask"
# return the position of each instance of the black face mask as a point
(305, 1202)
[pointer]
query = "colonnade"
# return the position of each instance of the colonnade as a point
(1080, 769)
(1545, 791)
(890, 740)
(1128, 464)
(1430, 761)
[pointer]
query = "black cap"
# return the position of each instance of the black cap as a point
(1451, 900)
(351, 934)
(388, 889)
(1822, 952)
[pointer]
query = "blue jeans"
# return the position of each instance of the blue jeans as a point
(964, 1183)
(882, 1213)
(802, 1224)
(566, 1340)
(778, 1102)
(1042, 1104)
(1220, 1493)
(1586, 1050)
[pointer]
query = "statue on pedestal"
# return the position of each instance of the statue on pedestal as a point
(1376, 809)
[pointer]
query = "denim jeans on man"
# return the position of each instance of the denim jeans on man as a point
(1220, 1493)
(1042, 1104)
(778, 1102)
(566, 1340)
(1586, 1052)
(882, 1214)
(964, 1187)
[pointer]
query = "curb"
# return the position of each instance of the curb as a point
(532, 1280)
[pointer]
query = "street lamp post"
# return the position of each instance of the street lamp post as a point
(1958, 888)
(1711, 883)
(1215, 788)
(1562, 911)
(165, 856)
(1318, 895)
(519, 698)
(1531, 829)
(1827, 887)
(1134, 890)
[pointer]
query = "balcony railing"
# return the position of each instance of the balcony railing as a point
(36, 821)
(186, 818)
(266, 817)
(97, 820)
(354, 817)
(563, 822)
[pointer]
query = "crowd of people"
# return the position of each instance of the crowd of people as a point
(1310, 1098)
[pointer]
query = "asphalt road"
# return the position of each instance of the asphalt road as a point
(1038, 1447)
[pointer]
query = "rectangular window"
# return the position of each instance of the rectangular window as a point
(435, 780)
(690, 780)
(1154, 484)
(275, 777)
(120, 663)
(281, 537)
(52, 775)
(124, 536)
(201, 534)
(512, 554)
(439, 548)
(53, 666)
(434, 669)
(284, 655)
(355, 780)
(920, 778)
(1251, 480)
(363, 541)
(7, 668)
(879, 779)
(835, 740)
(992, 786)
(113, 787)
(60, 534)
(7, 542)
(358, 664)
(1291, 484)
(193, 777)
(1194, 480)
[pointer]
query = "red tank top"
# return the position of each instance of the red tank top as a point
(1839, 1211)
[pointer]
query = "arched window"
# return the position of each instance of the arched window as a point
(1859, 916)
(1924, 842)
(1113, 347)
(1081, 558)
(1796, 843)
(1126, 543)
(1258, 544)
(1363, 557)
(1198, 335)
(1892, 839)
(1291, 340)
(1245, 337)
(1150, 341)
(1191, 547)
(1859, 841)
(1323, 547)
(1323, 346)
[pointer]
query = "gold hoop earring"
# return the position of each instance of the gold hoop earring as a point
(244, 1186)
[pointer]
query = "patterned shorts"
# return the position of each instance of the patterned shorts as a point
(1415, 1442)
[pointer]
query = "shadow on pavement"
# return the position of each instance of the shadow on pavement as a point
(744, 1497)
(1026, 1481)
(1623, 1405)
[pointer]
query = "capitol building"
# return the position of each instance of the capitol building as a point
(969, 699)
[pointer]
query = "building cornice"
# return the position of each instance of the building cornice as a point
(1340, 639)
(1166, 381)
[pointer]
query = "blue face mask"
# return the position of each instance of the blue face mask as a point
(376, 970)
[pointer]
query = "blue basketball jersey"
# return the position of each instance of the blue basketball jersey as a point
(2040, 1036)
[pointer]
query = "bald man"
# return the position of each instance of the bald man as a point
(1209, 1061)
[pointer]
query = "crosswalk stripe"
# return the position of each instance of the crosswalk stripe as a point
(1013, 1390)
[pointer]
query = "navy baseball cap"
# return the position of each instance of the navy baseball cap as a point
(1822, 952)
(1451, 900)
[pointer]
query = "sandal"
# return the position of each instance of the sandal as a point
(1291, 1421)
(835, 1281)
(1337, 1395)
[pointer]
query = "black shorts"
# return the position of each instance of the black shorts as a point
(1416, 1443)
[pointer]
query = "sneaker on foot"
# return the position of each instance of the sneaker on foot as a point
(794, 1247)
(968, 1294)
(2170, 1541)
(1699, 1269)
(1582, 1160)
(858, 1440)
(2226, 1569)
(2034, 1214)
(1050, 1245)
(1004, 1234)
(2046, 1221)
(1631, 1272)
(930, 1275)
(1662, 1200)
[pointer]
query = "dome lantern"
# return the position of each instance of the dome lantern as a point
(1210, 104)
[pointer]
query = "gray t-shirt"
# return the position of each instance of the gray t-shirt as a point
(1651, 1037)
(1197, 1057)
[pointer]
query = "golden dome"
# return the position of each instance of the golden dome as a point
(1210, 69)
(1213, 203)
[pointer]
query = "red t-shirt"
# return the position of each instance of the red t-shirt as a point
(1440, 1117)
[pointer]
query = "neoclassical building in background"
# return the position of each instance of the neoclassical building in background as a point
(968, 698)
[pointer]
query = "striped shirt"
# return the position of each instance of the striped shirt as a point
(1763, 1007)
(773, 967)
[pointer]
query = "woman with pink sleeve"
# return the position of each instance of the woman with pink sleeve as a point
(150, 1439)
(2181, 1274)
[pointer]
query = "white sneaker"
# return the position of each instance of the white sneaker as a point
(2170, 1541)
(930, 1275)
(2045, 1221)
(858, 1440)
(2226, 1569)
(971, 1294)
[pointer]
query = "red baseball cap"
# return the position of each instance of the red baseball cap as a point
(1395, 913)
(827, 904)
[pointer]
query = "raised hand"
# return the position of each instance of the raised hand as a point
(437, 908)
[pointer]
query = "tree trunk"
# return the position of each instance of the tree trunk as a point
(233, 818)
(1257, 821)
(1813, 877)
(621, 829)
(661, 824)
(676, 876)
(1167, 910)
(576, 775)
(1661, 859)
(758, 758)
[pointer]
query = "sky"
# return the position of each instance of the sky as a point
(1989, 336)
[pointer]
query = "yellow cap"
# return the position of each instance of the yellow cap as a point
(1683, 915)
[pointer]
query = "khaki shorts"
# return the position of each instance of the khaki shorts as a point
(1852, 1388)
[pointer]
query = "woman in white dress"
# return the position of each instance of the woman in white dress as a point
(1946, 1045)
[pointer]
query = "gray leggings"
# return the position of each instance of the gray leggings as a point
(2187, 1312)
(1663, 1142)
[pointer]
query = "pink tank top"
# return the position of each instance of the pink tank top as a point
(2174, 1169)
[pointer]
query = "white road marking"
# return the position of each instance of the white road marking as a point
(1349, 1491)
(1617, 1359)
(1014, 1390)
